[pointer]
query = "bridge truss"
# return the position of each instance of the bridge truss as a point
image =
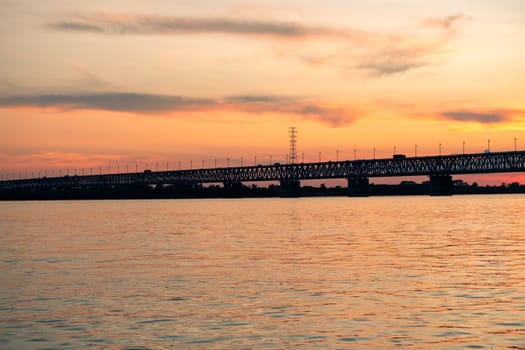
(478, 163)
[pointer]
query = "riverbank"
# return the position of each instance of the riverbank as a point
(169, 191)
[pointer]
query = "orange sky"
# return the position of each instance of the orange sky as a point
(124, 84)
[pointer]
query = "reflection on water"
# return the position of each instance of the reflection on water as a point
(310, 273)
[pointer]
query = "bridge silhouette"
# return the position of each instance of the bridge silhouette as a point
(439, 169)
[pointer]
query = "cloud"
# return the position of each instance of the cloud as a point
(394, 60)
(457, 115)
(379, 53)
(112, 101)
(407, 52)
(77, 27)
(7, 84)
(170, 105)
(88, 78)
(332, 116)
(445, 23)
(285, 105)
(385, 54)
(257, 99)
(147, 25)
(60, 161)
(483, 118)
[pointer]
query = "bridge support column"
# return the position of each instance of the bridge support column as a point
(232, 189)
(289, 188)
(440, 185)
(184, 189)
(186, 185)
(358, 186)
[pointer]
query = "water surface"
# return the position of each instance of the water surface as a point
(306, 273)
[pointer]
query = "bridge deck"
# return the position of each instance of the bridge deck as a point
(478, 163)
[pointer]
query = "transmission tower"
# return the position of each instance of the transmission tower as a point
(292, 133)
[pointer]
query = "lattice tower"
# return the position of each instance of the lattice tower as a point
(292, 133)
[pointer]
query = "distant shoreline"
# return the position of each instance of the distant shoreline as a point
(407, 188)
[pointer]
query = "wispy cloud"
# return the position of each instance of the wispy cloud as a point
(111, 101)
(445, 23)
(171, 105)
(7, 84)
(76, 26)
(458, 114)
(263, 105)
(391, 60)
(47, 160)
(303, 109)
(111, 24)
(379, 53)
(403, 53)
(88, 79)
(478, 117)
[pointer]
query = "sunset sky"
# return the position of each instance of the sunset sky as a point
(99, 84)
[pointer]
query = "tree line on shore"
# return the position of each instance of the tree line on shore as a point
(240, 190)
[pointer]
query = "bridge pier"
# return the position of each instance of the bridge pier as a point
(289, 188)
(358, 186)
(440, 185)
(185, 187)
(232, 188)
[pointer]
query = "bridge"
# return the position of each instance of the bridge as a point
(439, 168)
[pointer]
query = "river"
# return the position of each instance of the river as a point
(302, 273)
